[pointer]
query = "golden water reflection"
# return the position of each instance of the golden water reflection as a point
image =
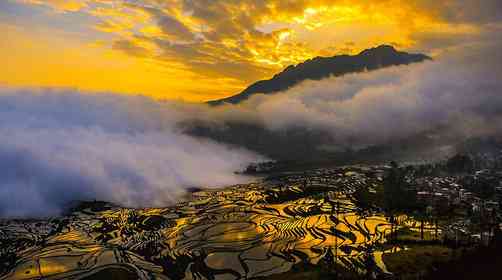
(226, 234)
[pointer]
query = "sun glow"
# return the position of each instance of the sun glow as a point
(160, 50)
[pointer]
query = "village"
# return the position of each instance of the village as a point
(463, 203)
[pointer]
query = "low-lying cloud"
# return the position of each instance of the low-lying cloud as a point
(60, 146)
(457, 95)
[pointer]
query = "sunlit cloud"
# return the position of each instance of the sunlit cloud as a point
(242, 41)
(60, 5)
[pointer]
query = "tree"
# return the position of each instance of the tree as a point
(392, 187)
(397, 195)
(460, 163)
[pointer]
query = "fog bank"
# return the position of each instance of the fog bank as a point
(58, 146)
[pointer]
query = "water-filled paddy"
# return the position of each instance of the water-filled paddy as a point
(239, 232)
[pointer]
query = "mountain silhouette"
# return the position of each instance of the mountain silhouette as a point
(323, 67)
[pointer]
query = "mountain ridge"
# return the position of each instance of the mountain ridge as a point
(322, 67)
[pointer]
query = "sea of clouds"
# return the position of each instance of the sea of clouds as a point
(58, 146)
(458, 94)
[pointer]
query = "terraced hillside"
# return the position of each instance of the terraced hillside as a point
(240, 232)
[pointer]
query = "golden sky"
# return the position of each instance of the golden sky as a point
(197, 50)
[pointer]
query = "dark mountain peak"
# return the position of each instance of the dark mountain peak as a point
(382, 49)
(323, 67)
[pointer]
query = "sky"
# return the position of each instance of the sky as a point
(97, 96)
(199, 50)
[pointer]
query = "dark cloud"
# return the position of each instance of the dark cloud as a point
(131, 48)
(431, 41)
(213, 60)
(471, 11)
(170, 25)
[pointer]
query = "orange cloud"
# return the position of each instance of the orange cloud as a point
(61, 5)
(232, 43)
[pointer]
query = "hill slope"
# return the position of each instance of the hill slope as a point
(323, 67)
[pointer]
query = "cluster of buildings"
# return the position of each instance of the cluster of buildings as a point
(467, 204)
(342, 179)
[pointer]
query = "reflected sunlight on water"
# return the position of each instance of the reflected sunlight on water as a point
(227, 234)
